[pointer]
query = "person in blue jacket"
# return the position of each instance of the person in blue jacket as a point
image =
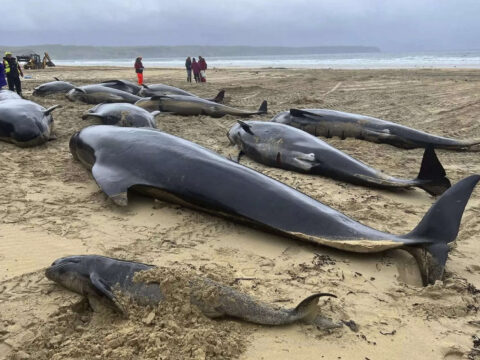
(3, 81)
(13, 71)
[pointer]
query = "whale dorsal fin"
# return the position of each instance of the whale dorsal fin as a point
(219, 98)
(80, 89)
(263, 109)
(116, 81)
(56, 78)
(245, 126)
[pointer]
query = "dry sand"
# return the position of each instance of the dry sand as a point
(50, 207)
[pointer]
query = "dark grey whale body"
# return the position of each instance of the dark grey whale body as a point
(9, 95)
(100, 276)
(122, 114)
(162, 89)
(25, 123)
(189, 105)
(123, 85)
(97, 94)
(177, 170)
(53, 87)
(329, 123)
(285, 147)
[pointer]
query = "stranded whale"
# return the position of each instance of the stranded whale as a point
(176, 170)
(104, 277)
(283, 146)
(329, 123)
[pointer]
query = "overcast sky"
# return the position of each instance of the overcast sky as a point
(392, 25)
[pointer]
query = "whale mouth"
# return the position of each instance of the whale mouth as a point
(53, 271)
(73, 144)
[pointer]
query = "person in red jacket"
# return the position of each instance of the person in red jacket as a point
(196, 70)
(203, 68)
(139, 69)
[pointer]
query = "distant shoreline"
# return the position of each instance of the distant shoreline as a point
(433, 60)
(67, 52)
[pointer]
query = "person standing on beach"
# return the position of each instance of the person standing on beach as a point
(139, 69)
(203, 68)
(196, 70)
(3, 81)
(13, 71)
(188, 66)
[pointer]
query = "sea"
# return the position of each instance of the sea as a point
(380, 60)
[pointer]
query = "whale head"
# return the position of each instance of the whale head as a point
(71, 272)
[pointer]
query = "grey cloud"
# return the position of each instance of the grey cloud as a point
(392, 25)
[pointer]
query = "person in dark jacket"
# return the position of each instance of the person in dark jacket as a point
(3, 81)
(13, 71)
(188, 66)
(196, 70)
(203, 68)
(139, 69)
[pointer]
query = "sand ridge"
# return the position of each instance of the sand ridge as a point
(51, 207)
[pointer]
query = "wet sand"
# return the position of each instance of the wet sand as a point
(50, 206)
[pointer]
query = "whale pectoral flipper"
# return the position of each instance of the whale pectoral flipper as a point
(428, 242)
(103, 289)
(246, 127)
(113, 181)
(382, 134)
(239, 156)
(87, 115)
(303, 161)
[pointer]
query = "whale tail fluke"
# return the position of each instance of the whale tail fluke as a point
(308, 305)
(474, 145)
(438, 228)
(432, 174)
(307, 312)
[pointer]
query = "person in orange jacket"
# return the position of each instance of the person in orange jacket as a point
(139, 69)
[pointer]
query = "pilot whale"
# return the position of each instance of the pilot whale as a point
(329, 123)
(173, 169)
(103, 277)
(283, 146)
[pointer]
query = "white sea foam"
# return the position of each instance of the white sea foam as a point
(466, 59)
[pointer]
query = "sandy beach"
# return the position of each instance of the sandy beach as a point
(50, 206)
